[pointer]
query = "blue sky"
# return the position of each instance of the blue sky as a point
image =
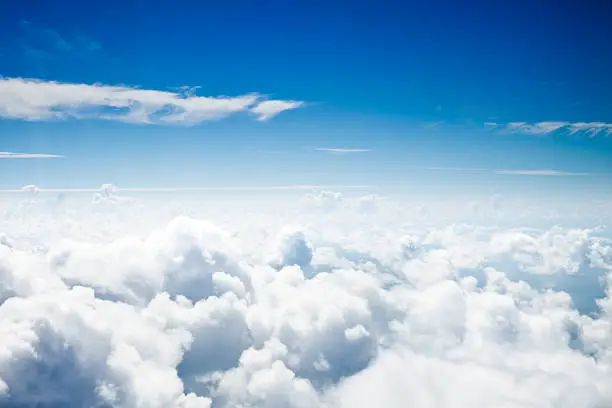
(470, 87)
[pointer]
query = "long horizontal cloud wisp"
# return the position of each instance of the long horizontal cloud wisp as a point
(10, 155)
(591, 129)
(37, 100)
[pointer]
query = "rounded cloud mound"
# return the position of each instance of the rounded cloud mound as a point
(293, 248)
(358, 312)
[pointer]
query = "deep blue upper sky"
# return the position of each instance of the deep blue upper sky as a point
(414, 81)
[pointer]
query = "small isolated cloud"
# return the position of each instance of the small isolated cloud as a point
(543, 128)
(9, 155)
(37, 100)
(338, 150)
(30, 188)
(268, 109)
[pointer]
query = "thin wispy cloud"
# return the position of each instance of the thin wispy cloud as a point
(432, 125)
(52, 43)
(37, 100)
(591, 129)
(338, 150)
(41, 48)
(42, 42)
(298, 187)
(9, 155)
(515, 172)
(540, 173)
(457, 169)
(269, 109)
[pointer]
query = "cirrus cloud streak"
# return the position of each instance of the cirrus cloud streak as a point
(547, 127)
(515, 172)
(339, 150)
(10, 155)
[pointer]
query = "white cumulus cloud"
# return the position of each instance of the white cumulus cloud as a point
(185, 302)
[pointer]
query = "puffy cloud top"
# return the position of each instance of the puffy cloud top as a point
(356, 309)
(293, 248)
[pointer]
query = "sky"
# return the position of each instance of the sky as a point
(396, 95)
(305, 204)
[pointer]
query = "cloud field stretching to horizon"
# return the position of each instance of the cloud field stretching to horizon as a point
(318, 300)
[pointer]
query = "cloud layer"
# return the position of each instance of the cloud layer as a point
(330, 302)
(37, 100)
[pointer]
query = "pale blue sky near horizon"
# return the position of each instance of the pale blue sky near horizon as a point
(392, 94)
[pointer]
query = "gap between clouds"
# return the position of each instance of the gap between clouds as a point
(37, 100)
